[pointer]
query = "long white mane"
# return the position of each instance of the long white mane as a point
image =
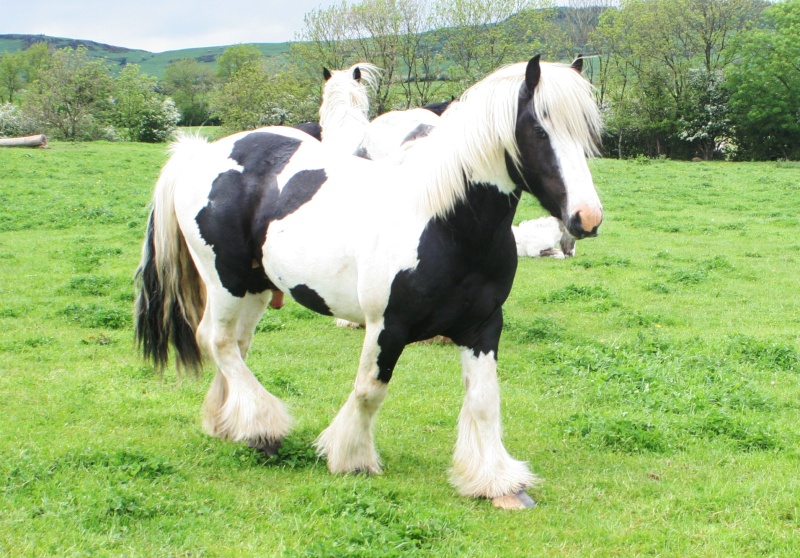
(475, 133)
(344, 113)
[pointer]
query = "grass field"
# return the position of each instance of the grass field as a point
(653, 381)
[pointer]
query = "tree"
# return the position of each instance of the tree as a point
(706, 122)
(37, 58)
(256, 96)
(481, 35)
(652, 49)
(72, 95)
(235, 58)
(139, 110)
(11, 75)
(326, 40)
(419, 53)
(190, 84)
(17, 69)
(764, 83)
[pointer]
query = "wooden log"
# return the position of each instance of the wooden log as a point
(27, 141)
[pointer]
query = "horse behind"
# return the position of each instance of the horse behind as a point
(412, 249)
(545, 237)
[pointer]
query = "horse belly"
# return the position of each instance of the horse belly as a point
(316, 267)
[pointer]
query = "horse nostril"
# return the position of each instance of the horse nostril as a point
(584, 223)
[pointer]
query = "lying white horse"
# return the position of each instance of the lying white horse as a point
(545, 237)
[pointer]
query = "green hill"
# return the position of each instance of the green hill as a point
(151, 63)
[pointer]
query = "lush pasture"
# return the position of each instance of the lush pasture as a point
(653, 381)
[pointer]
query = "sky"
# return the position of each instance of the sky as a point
(160, 25)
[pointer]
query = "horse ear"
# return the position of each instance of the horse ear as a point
(326, 73)
(357, 74)
(577, 64)
(532, 73)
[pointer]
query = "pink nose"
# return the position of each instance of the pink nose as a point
(585, 222)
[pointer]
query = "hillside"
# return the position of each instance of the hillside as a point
(151, 63)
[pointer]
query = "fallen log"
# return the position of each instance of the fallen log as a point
(27, 141)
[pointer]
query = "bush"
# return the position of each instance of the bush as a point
(15, 123)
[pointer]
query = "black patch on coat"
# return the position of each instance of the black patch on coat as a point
(420, 131)
(313, 129)
(242, 204)
(467, 263)
(310, 298)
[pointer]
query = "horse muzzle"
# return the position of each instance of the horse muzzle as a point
(584, 222)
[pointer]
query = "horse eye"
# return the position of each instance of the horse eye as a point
(540, 132)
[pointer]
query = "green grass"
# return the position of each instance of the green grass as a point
(652, 381)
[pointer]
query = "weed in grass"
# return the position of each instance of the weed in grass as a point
(88, 257)
(8, 312)
(576, 293)
(688, 277)
(659, 288)
(96, 316)
(29, 343)
(747, 436)
(90, 285)
(371, 522)
(283, 386)
(297, 452)
(606, 261)
(766, 354)
(616, 434)
(537, 329)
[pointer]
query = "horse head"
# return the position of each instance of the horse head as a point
(558, 125)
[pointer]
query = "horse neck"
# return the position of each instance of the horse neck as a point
(452, 160)
(343, 128)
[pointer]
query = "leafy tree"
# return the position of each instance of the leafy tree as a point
(475, 41)
(420, 55)
(37, 58)
(234, 58)
(19, 68)
(11, 75)
(190, 84)
(139, 110)
(326, 40)
(652, 49)
(764, 83)
(256, 96)
(72, 95)
(706, 122)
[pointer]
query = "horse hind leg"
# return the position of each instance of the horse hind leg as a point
(237, 407)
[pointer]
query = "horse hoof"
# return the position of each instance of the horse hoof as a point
(270, 449)
(518, 501)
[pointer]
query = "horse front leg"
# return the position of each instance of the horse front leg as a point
(482, 467)
(348, 442)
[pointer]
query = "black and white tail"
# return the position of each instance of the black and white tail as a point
(170, 294)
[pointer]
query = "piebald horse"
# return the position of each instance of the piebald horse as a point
(412, 250)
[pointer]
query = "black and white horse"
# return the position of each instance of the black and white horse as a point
(411, 249)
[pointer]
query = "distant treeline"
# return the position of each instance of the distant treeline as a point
(674, 78)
